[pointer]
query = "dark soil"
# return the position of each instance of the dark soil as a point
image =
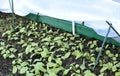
(6, 64)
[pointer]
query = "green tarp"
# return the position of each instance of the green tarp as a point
(67, 26)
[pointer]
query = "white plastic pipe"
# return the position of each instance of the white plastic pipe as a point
(73, 27)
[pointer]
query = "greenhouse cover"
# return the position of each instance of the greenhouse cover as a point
(57, 13)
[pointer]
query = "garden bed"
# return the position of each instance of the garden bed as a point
(36, 49)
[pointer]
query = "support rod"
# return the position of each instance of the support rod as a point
(12, 9)
(73, 27)
(100, 52)
(113, 28)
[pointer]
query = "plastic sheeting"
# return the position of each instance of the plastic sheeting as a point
(93, 12)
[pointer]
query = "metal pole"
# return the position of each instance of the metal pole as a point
(12, 14)
(113, 28)
(12, 9)
(100, 52)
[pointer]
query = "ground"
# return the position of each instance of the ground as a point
(70, 55)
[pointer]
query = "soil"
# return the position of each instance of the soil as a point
(6, 64)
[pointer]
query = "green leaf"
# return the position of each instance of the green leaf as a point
(54, 70)
(2, 44)
(5, 56)
(73, 74)
(114, 58)
(15, 38)
(82, 67)
(77, 54)
(58, 38)
(92, 59)
(97, 49)
(59, 61)
(48, 39)
(19, 67)
(28, 49)
(29, 33)
(116, 55)
(45, 52)
(114, 68)
(66, 55)
(34, 44)
(66, 45)
(81, 46)
(50, 58)
(95, 42)
(7, 32)
(29, 74)
(108, 52)
(78, 71)
(21, 41)
(3, 34)
(12, 56)
(101, 74)
(13, 62)
(109, 65)
(1, 48)
(25, 44)
(51, 48)
(24, 63)
(89, 43)
(22, 30)
(12, 50)
(117, 73)
(37, 60)
(76, 65)
(39, 67)
(72, 38)
(118, 65)
(106, 46)
(111, 55)
(89, 73)
(20, 54)
(92, 46)
(66, 71)
(59, 42)
(30, 39)
(86, 54)
(14, 70)
(103, 69)
(23, 70)
(50, 64)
